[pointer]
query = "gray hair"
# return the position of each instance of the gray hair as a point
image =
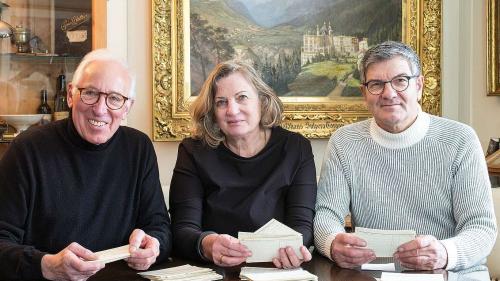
(386, 51)
(104, 55)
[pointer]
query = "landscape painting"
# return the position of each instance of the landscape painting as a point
(301, 48)
(307, 51)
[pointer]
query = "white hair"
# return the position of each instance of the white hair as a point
(104, 55)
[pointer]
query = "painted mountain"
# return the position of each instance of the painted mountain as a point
(271, 35)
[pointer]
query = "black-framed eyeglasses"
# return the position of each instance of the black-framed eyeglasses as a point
(91, 96)
(398, 83)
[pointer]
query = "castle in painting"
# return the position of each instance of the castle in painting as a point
(325, 44)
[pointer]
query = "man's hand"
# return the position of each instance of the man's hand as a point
(72, 263)
(288, 259)
(422, 253)
(348, 251)
(224, 250)
(144, 249)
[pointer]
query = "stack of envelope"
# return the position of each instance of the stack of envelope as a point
(267, 240)
(276, 274)
(112, 255)
(182, 273)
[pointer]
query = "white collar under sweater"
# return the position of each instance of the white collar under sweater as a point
(413, 134)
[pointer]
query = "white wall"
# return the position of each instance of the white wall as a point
(117, 27)
(463, 71)
(482, 110)
(464, 68)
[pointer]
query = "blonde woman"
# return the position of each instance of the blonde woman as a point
(239, 170)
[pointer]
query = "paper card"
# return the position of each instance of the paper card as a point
(113, 254)
(384, 242)
(264, 250)
(182, 273)
(390, 276)
(273, 227)
(275, 274)
(77, 35)
(179, 271)
(267, 240)
(379, 266)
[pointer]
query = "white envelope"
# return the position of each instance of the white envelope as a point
(276, 274)
(185, 272)
(384, 242)
(267, 240)
(113, 254)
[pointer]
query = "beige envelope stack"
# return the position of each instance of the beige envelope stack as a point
(276, 274)
(267, 240)
(112, 255)
(182, 273)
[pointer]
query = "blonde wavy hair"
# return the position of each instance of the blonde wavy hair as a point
(203, 108)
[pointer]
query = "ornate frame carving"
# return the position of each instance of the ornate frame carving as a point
(493, 36)
(312, 117)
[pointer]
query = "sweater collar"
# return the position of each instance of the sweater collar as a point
(76, 139)
(413, 134)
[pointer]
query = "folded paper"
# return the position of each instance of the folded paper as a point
(267, 240)
(113, 254)
(276, 274)
(182, 273)
(384, 242)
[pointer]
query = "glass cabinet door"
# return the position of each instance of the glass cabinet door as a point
(40, 40)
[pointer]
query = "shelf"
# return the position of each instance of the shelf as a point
(48, 59)
(68, 29)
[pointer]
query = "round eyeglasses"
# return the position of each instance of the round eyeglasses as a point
(398, 83)
(90, 96)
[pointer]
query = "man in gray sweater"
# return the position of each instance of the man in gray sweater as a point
(404, 169)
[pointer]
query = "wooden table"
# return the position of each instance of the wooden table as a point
(319, 265)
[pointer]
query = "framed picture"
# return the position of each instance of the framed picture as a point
(307, 51)
(493, 48)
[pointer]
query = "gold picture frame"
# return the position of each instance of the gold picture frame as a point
(493, 35)
(310, 116)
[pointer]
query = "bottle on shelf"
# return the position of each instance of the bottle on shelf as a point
(61, 109)
(44, 107)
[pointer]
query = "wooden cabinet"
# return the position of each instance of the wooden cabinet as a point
(60, 33)
(57, 34)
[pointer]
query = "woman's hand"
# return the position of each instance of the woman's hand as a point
(288, 259)
(224, 250)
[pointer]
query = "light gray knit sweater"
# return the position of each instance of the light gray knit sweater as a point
(431, 177)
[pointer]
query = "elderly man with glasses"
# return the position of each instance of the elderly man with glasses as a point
(404, 169)
(82, 184)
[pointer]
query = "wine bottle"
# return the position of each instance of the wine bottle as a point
(44, 108)
(61, 109)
